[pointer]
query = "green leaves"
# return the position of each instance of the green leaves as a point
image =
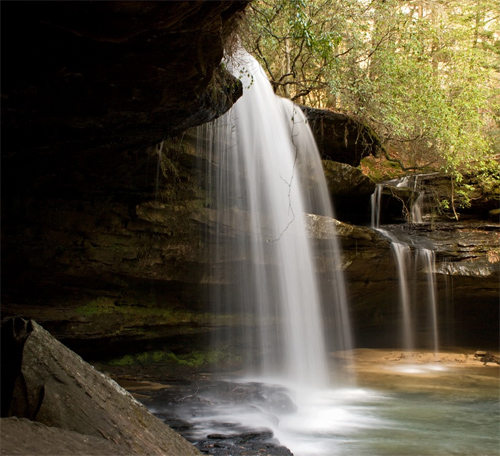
(424, 74)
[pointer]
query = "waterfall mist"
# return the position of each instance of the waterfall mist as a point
(266, 176)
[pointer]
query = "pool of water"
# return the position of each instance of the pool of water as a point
(370, 422)
(397, 409)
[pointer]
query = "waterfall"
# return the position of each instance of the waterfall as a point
(417, 204)
(429, 259)
(416, 209)
(376, 202)
(402, 254)
(423, 260)
(262, 151)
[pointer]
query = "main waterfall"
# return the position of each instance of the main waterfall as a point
(263, 152)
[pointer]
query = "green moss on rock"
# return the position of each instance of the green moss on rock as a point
(194, 359)
(98, 306)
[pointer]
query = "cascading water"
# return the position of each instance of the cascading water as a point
(261, 148)
(416, 209)
(376, 199)
(423, 260)
(402, 254)
(317, 200)
(428, 257)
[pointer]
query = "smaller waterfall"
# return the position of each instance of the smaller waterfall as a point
(416, 209)
(404, 251)
(402, 255)
(428, 257)
(375, 200)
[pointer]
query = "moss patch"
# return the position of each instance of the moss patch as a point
(144, 358)
(194, 359)
(100, 305)
(139, 312)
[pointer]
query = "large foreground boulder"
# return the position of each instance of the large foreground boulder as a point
(25, 437)
(45, 382)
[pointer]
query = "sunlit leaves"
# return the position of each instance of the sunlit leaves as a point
(424, 73)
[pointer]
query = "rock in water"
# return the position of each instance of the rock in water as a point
(55, 387)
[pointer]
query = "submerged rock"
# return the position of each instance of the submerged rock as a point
(220, 432)
(243, 444)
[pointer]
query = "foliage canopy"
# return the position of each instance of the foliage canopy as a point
(423, 73)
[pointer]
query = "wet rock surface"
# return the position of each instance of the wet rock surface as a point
(245, 444)
(196, 410)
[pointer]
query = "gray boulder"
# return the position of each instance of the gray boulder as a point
(53, 386)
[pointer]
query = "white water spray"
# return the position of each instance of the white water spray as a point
(261, 148)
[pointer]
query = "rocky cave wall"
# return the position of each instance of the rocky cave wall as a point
(88, 90)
